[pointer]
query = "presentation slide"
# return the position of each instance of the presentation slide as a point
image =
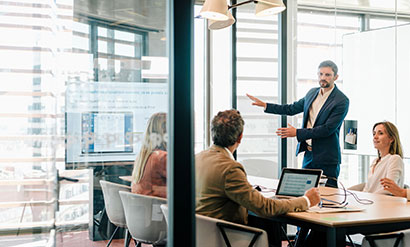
(110, 129)
(105, 122)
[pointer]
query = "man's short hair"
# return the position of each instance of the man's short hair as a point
(226, 127)
(330, 64)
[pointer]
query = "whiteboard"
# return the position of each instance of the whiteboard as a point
(369, 71)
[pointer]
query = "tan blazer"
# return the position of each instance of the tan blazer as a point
(223, 191)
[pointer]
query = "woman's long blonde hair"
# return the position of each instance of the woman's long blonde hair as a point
(393, 132)
(155, 138)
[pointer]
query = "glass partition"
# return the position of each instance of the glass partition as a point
(324, 32)
(81, 80)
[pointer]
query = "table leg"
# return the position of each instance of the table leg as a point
(336, 237)
(301, 237)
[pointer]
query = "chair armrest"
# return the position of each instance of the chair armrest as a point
(357, 187)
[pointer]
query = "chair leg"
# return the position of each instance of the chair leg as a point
(127, 238)
(112, 236)
(137, 243)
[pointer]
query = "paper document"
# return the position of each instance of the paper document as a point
(323, 210)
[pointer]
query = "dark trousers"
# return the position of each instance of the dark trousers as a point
(330, 170)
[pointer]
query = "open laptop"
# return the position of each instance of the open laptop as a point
(294, 182)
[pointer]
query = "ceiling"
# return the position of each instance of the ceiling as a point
(152, 13)
(383, 6)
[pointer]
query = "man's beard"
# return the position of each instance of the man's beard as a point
(325, 84)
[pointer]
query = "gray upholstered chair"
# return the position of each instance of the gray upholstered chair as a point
(260, 168)
(145, 221)
(114, 208)
(212, 232)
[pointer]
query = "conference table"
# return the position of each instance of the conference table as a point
(385, 214)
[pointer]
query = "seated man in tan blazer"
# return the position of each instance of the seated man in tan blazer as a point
(222, 189)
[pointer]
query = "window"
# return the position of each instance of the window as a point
(257, 74)
(320, 31)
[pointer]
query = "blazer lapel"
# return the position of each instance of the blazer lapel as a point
(309, 103)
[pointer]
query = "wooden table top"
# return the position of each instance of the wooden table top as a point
(385, 209)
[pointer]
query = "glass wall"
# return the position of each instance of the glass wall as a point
(80, 81)
(324, 31)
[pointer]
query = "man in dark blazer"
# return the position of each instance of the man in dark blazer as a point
(324, 109)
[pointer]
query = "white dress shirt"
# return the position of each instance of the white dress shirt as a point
(315, 109)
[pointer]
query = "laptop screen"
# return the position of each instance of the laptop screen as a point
(294, 182)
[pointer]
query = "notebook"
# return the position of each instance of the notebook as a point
(294, 182)
(320, 210)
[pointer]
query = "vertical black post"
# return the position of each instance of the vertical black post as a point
(233, 65)
(282, 83)
(181, 179)
(233, 60)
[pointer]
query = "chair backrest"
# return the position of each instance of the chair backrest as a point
(385, 240)
(209, 232)
(260, 168)
(112, 201)
(145, 221)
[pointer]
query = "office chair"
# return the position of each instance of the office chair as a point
(260, 167)
(212, 232)
(144, 218)
(114, 208)
(383, 240)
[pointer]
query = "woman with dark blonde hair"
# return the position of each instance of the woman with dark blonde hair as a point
(389, 162)
(149, 176)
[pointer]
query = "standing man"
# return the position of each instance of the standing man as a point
(222, 189)
(324, 109)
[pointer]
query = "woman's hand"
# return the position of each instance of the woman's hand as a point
(392, 187)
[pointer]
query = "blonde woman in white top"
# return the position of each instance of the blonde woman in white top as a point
(389, 162)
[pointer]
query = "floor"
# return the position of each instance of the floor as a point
(66, 239)
(80, 239)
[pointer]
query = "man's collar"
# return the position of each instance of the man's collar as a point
(229, 152)
(328, 92)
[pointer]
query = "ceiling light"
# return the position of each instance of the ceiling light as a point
(269, 7)
(216, 11)
(215, 25)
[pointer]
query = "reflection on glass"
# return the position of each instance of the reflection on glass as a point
(58, 63)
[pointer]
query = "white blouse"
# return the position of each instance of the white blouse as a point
(390, 166)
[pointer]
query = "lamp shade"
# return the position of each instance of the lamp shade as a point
(215, 25)
(269, 7)
(215, 10)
